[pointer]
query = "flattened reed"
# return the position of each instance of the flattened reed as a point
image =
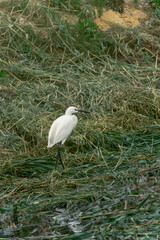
(110, 187)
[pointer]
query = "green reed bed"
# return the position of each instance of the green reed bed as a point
(110, 187)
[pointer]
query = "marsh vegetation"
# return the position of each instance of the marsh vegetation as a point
(110, 187)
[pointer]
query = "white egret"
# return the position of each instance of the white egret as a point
(62, 127)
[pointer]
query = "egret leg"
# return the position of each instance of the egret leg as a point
(59, 156)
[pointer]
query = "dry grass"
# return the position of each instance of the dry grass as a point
(110, 185)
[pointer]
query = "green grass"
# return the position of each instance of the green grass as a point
(110, 187)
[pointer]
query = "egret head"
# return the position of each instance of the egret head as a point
(72, 110)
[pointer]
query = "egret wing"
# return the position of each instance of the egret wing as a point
(61, 129)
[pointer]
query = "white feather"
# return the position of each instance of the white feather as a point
(62, 127)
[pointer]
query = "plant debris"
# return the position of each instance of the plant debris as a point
(110, 187)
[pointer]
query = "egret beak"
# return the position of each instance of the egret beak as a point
(79, 110)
